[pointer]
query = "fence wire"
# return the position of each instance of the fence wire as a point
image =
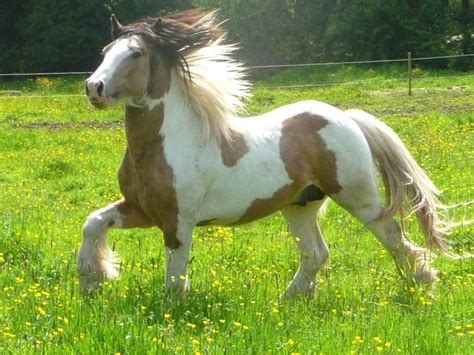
(20, 95)
(266, 66)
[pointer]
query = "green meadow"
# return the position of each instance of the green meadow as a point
(58, 162)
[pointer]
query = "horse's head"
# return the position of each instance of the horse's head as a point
(137, 63)
(125, 72)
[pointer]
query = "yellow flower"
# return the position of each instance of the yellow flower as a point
(8, 334)
(19, 280)
(290, 342)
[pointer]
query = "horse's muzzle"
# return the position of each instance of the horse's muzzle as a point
(95, 90)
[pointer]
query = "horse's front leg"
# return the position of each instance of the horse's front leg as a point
(178, 246)
(96, 261)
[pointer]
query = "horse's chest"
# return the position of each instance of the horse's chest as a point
(149, 185)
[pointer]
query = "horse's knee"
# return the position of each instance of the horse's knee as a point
(388, 232)
(94, 225)
(98, 221)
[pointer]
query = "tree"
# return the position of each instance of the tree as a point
(62, 35)
(10, 41)
(371, 29)
(65, 35)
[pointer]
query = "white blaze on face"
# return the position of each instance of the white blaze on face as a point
(118, 51)
(115, 54)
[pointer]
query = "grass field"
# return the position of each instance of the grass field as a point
(58, 162)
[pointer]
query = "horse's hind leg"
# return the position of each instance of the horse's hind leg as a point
(412, 260)
(361, 200)
(96, 261)
(313, 250)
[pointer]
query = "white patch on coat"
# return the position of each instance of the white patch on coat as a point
(355, 167)
(345, 139)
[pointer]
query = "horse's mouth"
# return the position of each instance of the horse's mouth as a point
(99, 103)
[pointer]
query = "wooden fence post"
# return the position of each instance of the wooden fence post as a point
(410, 76)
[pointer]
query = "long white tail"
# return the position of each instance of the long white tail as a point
(407, 187)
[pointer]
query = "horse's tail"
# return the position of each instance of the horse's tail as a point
(407, 187)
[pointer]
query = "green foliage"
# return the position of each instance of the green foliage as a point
(325, 30)
(10, 39)
(58, 163)
(63, 35)
(365, 29)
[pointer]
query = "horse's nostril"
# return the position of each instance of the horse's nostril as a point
(100, 88)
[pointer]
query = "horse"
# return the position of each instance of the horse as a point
(191, 161)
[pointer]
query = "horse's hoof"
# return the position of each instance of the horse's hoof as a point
(178, 287)
(299, 293)
(90, 284)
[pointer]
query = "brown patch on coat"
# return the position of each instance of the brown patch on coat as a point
(305, 153)
(262, 207)
(132, 216)
(160, 78)
(146, 179)
(233, 150)
(306, 160)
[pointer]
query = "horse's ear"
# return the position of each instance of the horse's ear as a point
(115, 26)
(158, 25)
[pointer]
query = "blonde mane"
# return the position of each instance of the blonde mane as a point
(215, 82)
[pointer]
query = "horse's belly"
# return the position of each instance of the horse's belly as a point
(247, 195)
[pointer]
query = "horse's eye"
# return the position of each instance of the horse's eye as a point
(136, 54)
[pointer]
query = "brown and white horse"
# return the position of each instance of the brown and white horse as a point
(190, 161)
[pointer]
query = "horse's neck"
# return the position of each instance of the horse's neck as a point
(171, 119)
(142, 127)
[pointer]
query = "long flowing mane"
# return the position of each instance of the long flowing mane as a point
(193, 41)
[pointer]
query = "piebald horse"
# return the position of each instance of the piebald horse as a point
(190, 161)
